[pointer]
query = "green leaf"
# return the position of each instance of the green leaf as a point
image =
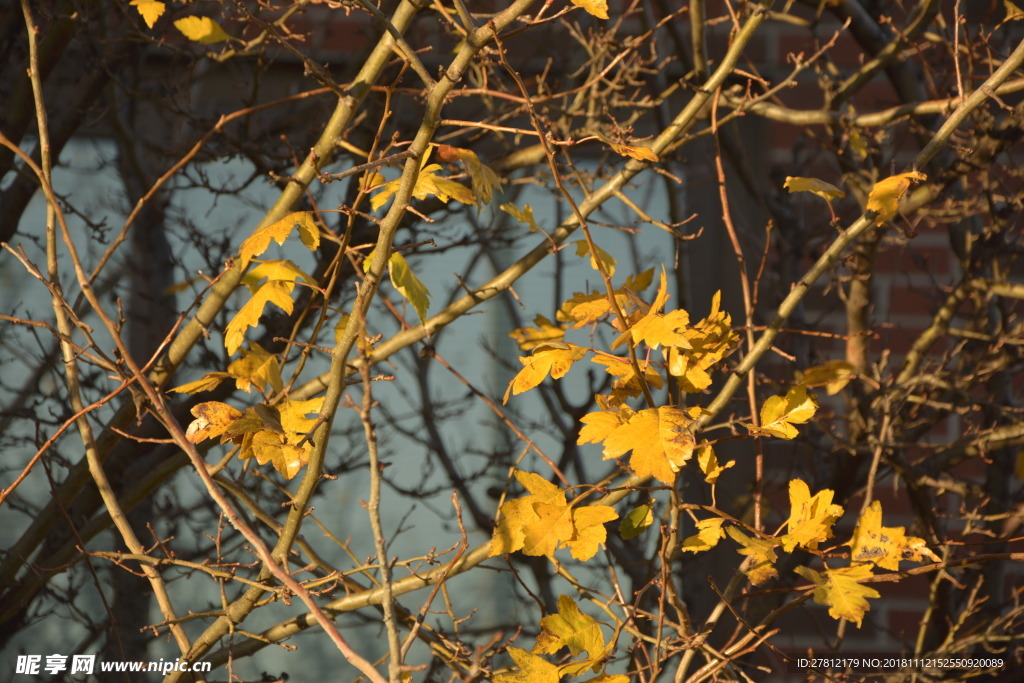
(634, 523)
(408, 285)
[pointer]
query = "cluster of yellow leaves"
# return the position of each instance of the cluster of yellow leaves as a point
(554, 358)
(711, 340)
(585, 309)
(811, 521)
(196, 29)
(276, 434)
(568, 628)
(601, 258)
(660, 438)
(544, 332)
(542, 522)
(257, 368)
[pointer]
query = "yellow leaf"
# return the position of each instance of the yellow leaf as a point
(1013, 13)
(711, 340)
(201, 29)
(599, 8)
(841, 590)
(885, 196)
(810, 518)
(554, 358)
(481, 176)
(833, 375)
(660, 439)
(287, 458)
(275, 292)
(150, 10)
(606, 259)
(529, 338)
(293, 415)
(209, 382)
(212, 419)
(885, 546)
(524, 215)
(634, 523)
(571, 628)
(532, 669)
(279, 231)
(627, 382)
(257, 367)
(588, 308)
(408, 285)
(283, 270)
(780, 413)
(763, 554)
(826, 191)
(520, 514)
(639, 152)
(709, 533)
(709, 464)
(655, 328)
(588, 530)
(428, 184)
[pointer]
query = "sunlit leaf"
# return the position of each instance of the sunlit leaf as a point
(212, 419)
(278, 231)
(529, 338)
(761, 550)
(428, 184)
(639, 152)
(599, 8)
(482, 177)
(885, 546)
(655, 328)
(659, 438)
(275, 292)
(885, 196)
(711, 340)
(842, 590)
(201, 29)
(709, 465)
(524, 215)
(833, 375)
(257, 367)
(826, 191)
(571, 628)
(709, 533)
(150, 10)
(552, 358)
(810, 518)
(780, 413)
(532, 669)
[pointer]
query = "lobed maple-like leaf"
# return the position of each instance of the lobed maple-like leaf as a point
(278, 231)
(660, 438)
(780, 413)
(529, 338)
(762, 551)
(709, 533)
(711, 340)
(428, 184)
(150, 10)
(276, 292)
(554, 358)
(810, 518)
(282, 269)
(542, 522)
(571, 628)
(627, 382)
(655, 328)
(589, 308)
(532, 669)
(885, 196)
(885, 546)
(524, 215)
(842, 590)
(201, 30)
(256, 368)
